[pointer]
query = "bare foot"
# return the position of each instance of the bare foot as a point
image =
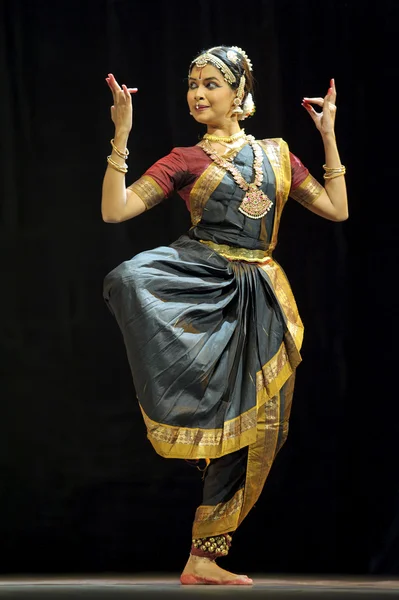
(202, 570)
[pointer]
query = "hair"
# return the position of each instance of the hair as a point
(240, 68)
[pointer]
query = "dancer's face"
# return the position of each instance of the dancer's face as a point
(210, 97)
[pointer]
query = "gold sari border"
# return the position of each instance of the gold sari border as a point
(191, 443)
(285, 296)
(276, 150)
(221, 518)
(202, 189)
(308, 191)
(148, 190)
(172, 441)
(235, 253)
(271, 433)
(272, 430)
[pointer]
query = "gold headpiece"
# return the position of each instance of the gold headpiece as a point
(206, 58)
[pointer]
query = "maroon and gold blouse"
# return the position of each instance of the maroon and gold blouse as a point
(180, 170)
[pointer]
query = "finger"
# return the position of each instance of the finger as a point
(126, 92)
(328, 104)
(114, 84)
(310, 109)
(318, 101)
(110, 87)
(333, 94)
(132, 90)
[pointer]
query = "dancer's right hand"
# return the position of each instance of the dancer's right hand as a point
(121, 110)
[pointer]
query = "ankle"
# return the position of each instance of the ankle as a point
(198, 560)
(211, 547)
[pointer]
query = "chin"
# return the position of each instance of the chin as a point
(200, 118)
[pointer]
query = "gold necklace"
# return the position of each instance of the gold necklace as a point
(228, 139)
(233, 146)
(256, 204)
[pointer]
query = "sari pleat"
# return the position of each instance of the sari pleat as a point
(213, 337)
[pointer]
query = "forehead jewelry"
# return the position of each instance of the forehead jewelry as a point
(206, 58)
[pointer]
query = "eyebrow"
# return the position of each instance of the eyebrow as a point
(206, 79)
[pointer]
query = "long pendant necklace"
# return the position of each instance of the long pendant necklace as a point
(256, 204)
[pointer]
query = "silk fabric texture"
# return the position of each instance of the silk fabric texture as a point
(210, 324)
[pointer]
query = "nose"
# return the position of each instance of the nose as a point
(199, 92)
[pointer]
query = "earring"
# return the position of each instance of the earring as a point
(237, 110)
(239, 98)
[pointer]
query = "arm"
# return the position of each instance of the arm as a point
(332, 203)
(118, 203)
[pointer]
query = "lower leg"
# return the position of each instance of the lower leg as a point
(201, 567)
(223, 492)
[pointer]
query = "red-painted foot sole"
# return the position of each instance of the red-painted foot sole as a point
(195, 580)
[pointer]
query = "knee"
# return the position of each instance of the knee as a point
(123, 276)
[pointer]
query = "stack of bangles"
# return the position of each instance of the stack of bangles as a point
(121, 154)
(331, 172)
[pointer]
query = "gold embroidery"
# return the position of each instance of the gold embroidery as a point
(218, 519)
(271, 370)
(293, 340)
(272, 429)
(148, 190)
(308, 192)
(184, 442)
(233, 253)
(276, 150)
(271, 433)
(205, 185)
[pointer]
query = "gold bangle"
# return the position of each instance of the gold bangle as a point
(333, 169)
(120, 153)
(114, 165)
(333, 175)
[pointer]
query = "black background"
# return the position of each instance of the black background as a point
(81, 488)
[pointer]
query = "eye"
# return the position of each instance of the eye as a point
(213, 84)
(192, 85)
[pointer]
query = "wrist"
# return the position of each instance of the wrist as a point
(121, 136)
(329, 137)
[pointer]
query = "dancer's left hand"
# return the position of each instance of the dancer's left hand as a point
(325, 119)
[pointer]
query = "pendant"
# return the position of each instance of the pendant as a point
(255, 204)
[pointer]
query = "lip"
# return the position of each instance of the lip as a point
(201, 107)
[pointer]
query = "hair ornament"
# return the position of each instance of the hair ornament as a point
(232, 56)
(243, 53)
(248, 108)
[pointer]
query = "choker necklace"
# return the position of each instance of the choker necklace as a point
(228, 139)
(256, 204)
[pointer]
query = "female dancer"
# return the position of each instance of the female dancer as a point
(210, 324)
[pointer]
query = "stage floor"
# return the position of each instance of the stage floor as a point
(166, 586)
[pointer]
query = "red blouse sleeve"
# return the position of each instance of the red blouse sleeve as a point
(167, 175)
(305, 189)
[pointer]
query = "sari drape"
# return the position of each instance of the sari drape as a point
(211, 327)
